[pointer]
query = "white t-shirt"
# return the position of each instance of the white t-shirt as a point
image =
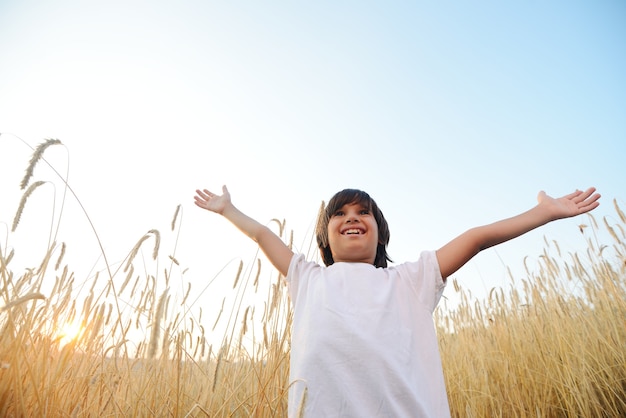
(363, 340)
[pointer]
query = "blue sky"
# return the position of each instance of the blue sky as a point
(450, 114)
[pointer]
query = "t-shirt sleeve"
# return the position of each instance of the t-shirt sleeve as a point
(294, 273)
(426, 279)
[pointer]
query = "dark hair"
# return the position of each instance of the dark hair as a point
(345, 197)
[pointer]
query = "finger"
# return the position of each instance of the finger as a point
(589, 206)
(204, 194)
(582, 196)
(572, 195)
(541, 196)
(591, 200)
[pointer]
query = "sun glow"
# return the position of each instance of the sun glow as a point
(70, 332)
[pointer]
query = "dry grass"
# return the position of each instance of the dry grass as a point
(550, 346)
(553, 346)
(113, 367)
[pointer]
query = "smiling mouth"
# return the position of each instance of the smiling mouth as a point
(352, 231)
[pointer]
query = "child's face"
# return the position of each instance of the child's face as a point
(353, 234)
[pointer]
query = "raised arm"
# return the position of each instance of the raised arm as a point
(461, 249)
(272, 245)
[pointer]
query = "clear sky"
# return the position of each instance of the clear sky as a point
(450, 114)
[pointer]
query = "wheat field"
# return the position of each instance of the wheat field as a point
(552, 344)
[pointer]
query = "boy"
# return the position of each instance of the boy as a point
(363, 340)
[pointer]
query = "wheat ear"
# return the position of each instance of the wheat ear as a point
(156, 325)
(175, 217)
(25, 197)
(34, 159)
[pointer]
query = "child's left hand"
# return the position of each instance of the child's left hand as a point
(570, 205)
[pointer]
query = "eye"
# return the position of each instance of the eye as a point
(339, 213)
(364, 212)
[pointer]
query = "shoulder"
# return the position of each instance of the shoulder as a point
(424, 277)
(299, 266)
(425, 265)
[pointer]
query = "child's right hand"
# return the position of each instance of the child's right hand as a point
(275, 249)
(211, 201)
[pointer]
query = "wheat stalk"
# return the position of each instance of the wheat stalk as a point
(219, 314)
(175, 216)
(25, 196)
(135, 250)
(156, 325)
(22, 299)
(302, 403)
(34, 159)
(58, 263)
(238, 274)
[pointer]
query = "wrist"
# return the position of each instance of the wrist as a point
(228, 210)
(545, 213)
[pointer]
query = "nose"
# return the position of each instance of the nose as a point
(351, 218)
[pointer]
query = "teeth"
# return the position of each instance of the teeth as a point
(352, 231)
